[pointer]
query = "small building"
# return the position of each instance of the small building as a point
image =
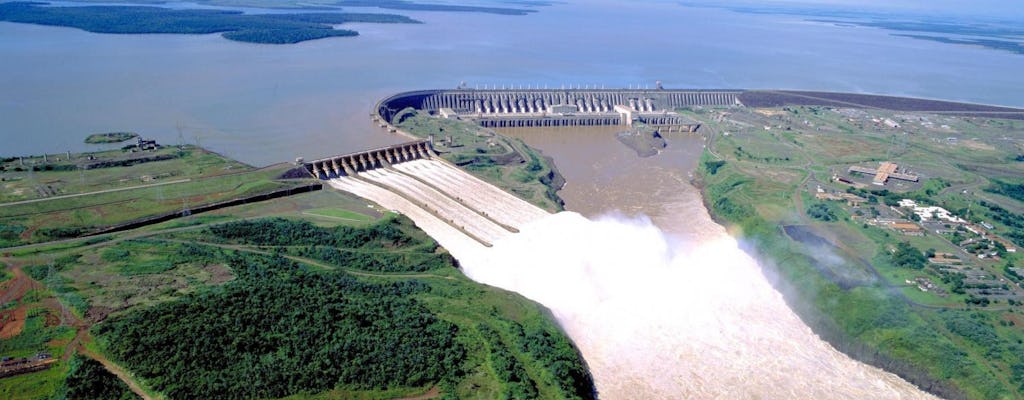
(908, 228)
(931, 212)
(144, 144)
(883, 173)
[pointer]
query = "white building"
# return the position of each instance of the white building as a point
(931, 212)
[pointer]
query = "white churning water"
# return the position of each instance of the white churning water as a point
(655, 316)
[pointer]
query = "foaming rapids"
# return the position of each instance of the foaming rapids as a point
(656, 317)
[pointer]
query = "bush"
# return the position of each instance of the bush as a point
(907, 256)
(88, 379)
(822, 212)
(712, 166)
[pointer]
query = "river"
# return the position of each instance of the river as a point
(660, 299)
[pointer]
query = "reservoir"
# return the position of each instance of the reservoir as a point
(271, 103)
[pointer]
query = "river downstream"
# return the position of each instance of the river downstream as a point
(661, 301)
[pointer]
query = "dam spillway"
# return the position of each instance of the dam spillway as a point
(451, 205)
(353, 163)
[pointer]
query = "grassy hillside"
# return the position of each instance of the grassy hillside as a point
(329, 300)
(53, 197)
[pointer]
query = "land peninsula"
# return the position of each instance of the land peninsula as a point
(174, 272)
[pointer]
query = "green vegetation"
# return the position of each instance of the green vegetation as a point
(304, 306)
(39, 335)
(907, 256)
(711, 167)
(340, 214)
(505, 162)
(234, 25)
(1012, 190)
(962, 337)
(89, 380)
(351, 247)
(58, 198)
(310, 332)
(110, 137)
(821, 211)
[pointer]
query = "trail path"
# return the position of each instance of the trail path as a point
(92, 193)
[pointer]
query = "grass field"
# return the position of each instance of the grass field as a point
(62, 199)
(763, 168)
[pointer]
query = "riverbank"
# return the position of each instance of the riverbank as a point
(795, 279)
(946, 341)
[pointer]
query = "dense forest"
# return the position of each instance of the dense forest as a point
(349, 247)
(280, 329)
(88, 380)
(234, 25)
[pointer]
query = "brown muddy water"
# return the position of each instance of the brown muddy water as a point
(604, 177)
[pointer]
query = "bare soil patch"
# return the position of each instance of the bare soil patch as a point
(433, 393)
(12, 322)
(96, 314)
(15, 288)
(219, 273)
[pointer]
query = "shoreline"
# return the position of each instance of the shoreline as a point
(819, 323)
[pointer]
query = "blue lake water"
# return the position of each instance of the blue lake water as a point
(267, 103)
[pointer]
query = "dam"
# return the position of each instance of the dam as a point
(451, 205)
(510, 108)
(653, 317)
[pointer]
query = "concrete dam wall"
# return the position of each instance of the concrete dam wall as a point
(452, 206)
(353, 163)
(552, 107)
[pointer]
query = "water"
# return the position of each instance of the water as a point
(657, 317)
(678, 295)
(264, 104)
(658, 297)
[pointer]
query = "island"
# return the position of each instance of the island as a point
(110, 137)
(278, 28)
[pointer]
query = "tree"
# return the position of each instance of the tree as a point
(907, 256)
